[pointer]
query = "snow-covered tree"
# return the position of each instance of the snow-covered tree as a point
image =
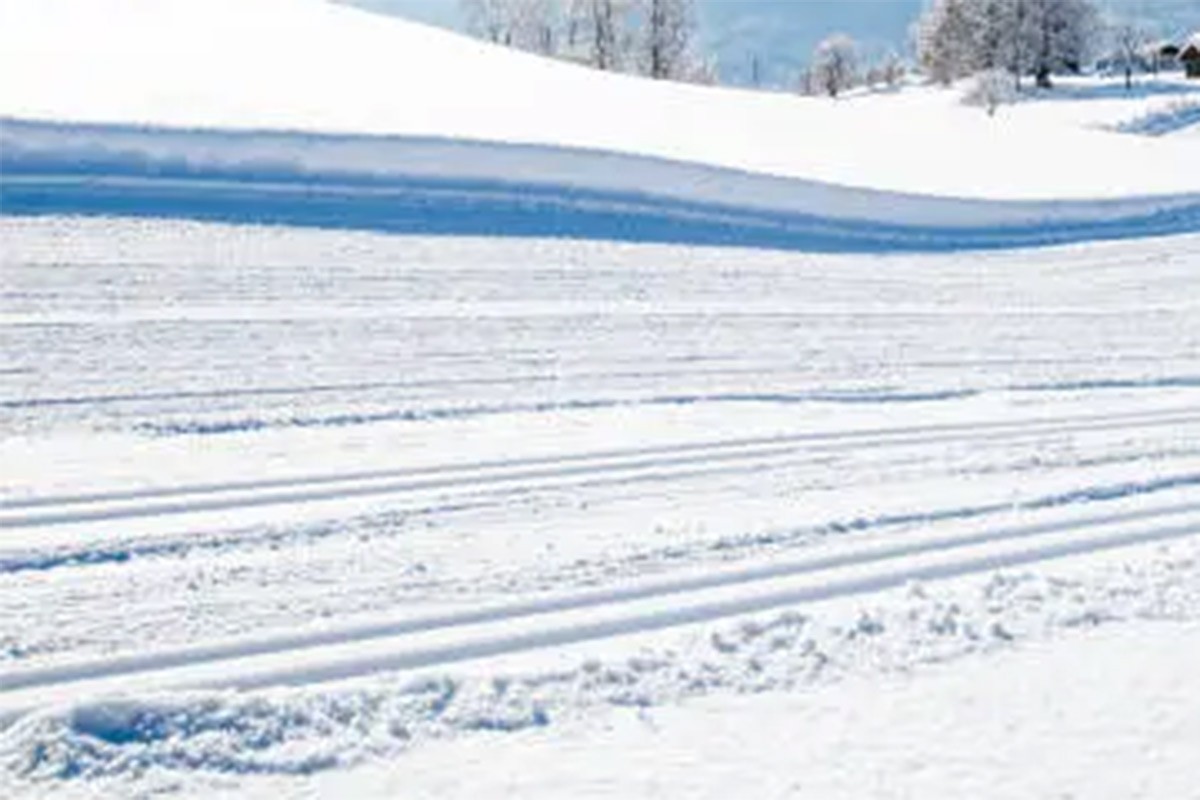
(525, 24)
(991, 89)
(947, 36)
(957, 38)
(835, 64)
(668, 28)
(1059, 36)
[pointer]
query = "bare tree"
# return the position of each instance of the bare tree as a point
(525, 24)
(657, 37)
(489, 19)
(1129, 41)
(893, 70)
(668, 30)
(835, 64)
(604, 30)
(887, 71)
(702, 71)
(537, 24)
(806, 83)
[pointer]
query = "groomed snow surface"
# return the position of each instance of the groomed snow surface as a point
(317, 513)
(376, 420)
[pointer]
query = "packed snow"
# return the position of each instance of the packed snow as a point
(376, 418)
(1048, 720)
(398, 490)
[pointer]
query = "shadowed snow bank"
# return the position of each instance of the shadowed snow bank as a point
(434, 186)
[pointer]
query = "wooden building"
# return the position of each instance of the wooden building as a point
(1189, 56)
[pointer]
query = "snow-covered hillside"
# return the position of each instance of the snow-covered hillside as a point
(308, 65)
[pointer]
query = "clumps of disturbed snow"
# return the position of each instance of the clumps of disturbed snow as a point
(144, 744)
(1178, 115)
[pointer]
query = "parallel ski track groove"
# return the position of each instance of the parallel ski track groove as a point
(530, 473)
(750, 589)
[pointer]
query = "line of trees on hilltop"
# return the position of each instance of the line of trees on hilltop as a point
(1038, 38)
(656, 38)
(837, 65)
(993, 40)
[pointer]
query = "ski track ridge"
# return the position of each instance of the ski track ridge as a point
(547, 471)
(314, 657)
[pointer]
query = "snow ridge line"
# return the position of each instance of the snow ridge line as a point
(445, 639)
(133, 504)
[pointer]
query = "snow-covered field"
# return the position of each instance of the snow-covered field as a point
(397, 490)
(361, 121)
(381, 418)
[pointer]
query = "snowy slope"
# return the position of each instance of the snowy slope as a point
(313, 66)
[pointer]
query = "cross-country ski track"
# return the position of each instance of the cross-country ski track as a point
(432, 642)
(527, 475)
(385, 413)
(705, 485)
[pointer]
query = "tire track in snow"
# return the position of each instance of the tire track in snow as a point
(443, 639)
(547, 472)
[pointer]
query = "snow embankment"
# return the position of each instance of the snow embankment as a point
(409, 128)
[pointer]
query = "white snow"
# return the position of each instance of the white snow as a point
(1048, 720)
(308, 65)
(395, 490)
(555, 510)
